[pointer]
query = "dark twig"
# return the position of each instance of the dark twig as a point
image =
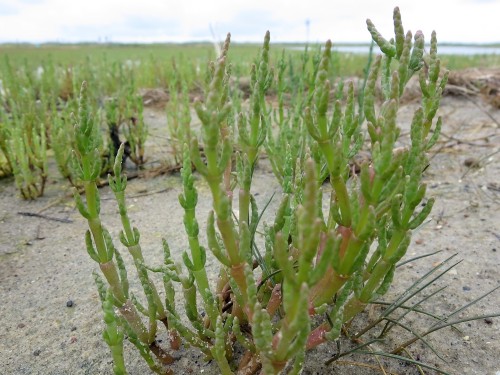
(486, 112)
(34, 214)
(142, 194)
(469, 141)
(479, 161)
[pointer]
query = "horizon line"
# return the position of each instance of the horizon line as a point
(205, 41)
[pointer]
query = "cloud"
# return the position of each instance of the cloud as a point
(174, 20)
(130, 28)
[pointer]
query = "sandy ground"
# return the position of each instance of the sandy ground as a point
(44, 267)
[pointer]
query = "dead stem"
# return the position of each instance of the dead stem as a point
(249, 364)
(161, 354)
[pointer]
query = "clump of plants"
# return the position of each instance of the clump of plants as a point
(23, 143)
(318, 269)
(35, 108)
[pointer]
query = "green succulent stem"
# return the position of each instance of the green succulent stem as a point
(199, 270)
(352, 251)
(338, 183)
(105, 260)
(353, 307)
(396, 239)
(244, 205)
(110, 272)
(118, 360)
(127, 227)
(374, 281)
(357, 304)
(113, 335)
(324, 291)
(130, 236)
(95, 227)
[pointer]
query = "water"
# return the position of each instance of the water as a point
(442, 50)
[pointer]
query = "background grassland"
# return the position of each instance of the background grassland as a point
(346, 64)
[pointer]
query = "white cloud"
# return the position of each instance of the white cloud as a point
(183, 20)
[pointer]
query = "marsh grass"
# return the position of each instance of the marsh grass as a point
(415, 305)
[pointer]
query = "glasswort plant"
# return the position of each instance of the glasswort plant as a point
(320, 268)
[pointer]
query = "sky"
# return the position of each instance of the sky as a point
(145, 21)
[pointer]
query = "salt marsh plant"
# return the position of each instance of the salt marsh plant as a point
(318, 268)
(24, 145)
(36, 102)
(178, 113)
(135, 130)
(124, 117)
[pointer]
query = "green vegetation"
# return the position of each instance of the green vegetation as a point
(312, 271)
(40, 84)
(316, 271)
(161, 55)
(454, 62)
